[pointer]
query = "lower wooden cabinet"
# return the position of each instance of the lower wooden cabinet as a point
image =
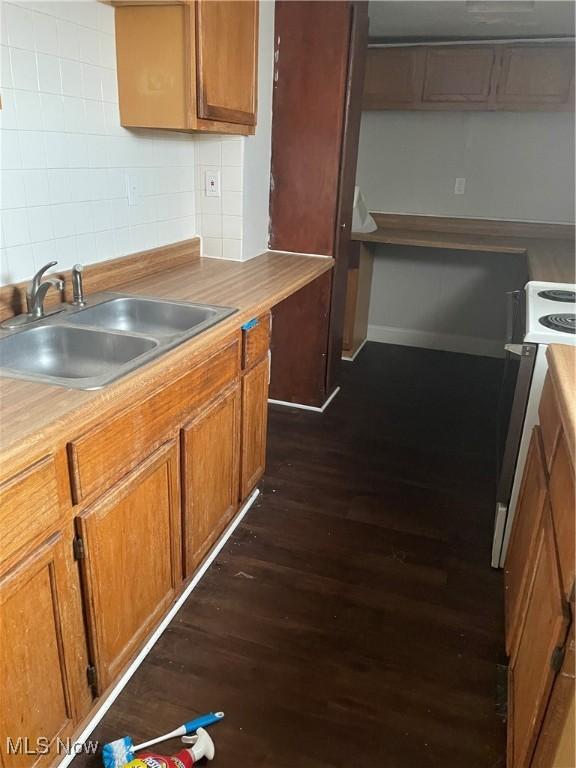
(254, 425)
(534, 664)
(42, 655)
(517, 572)
(129, 550)
(539, 577)
(210, 472)
(100, 533)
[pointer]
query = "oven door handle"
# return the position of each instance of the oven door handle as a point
(512, 304)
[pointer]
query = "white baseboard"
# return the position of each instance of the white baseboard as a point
(75, 747)
(351, 358)
(315, 408)
(445, 342)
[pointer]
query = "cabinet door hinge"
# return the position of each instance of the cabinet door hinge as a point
(78, 548)
(557, 658)
(91, 677)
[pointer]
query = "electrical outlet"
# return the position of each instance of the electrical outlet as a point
(212, 184)
(460, 186)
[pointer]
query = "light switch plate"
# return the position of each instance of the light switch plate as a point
(460, 186)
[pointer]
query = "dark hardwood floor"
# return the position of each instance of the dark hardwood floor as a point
(353, 619)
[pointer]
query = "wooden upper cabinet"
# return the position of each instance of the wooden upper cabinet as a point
(227, 60)
(131, 560)
(188, 67)
(535, 76)
(393, 77)
(533, 665)
(487, 76)
(458, 74)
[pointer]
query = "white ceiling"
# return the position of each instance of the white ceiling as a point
(470, 19)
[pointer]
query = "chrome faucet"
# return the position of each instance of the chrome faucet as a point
(78, 299)
(35, 296)
(39, 288)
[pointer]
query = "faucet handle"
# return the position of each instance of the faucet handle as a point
(39, 275)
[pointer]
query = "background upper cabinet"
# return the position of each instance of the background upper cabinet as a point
(458, 74)
(188, 67)
(462, 77)
(393, 77)
(536, 76)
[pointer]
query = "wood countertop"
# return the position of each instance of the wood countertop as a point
(549, 248)
(35, 417)
(562, 367)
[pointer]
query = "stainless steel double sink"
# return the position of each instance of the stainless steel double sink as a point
(90, 347)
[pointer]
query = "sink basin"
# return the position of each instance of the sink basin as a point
(153, 317)
(75, 357)
(91, 347)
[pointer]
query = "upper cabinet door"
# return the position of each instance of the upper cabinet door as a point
(393, 78)
(227, 64)
(459, 74)
(536, 76)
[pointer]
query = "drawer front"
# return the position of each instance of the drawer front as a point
(255, 340)
(30, 507)
(105, 454)
(550, 423)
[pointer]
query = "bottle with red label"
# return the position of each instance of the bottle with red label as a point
(202, 746)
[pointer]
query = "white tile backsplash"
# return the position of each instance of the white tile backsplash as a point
(64, 155)
(65, 158)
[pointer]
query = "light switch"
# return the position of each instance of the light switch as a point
(212, 184)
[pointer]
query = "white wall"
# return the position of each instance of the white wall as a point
(451, 300)
(65, 157)
(517, 165)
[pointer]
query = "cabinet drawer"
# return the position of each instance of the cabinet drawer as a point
(550, 423)
(30, 506)
(106, 453)
(255, 340)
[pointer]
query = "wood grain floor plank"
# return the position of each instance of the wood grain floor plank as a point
(353, 619)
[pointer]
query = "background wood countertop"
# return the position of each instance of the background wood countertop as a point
(36, 417)
(548, 248)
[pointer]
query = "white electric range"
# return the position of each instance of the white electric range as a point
(542, 314)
